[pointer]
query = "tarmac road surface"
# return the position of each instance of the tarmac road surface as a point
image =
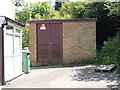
(64, 77)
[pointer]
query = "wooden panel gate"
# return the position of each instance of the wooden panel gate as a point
(49, 42)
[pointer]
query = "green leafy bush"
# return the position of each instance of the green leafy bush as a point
(25, 36)
(110, 53)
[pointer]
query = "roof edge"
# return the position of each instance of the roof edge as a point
(6, 18)
(63, 20)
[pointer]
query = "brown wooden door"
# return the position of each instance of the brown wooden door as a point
(49, 42)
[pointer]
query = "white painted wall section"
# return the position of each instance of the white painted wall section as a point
(12, 51)
(7, 8)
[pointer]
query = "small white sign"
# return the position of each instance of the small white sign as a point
(42, 28)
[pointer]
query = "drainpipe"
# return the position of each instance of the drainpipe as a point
(2, 25)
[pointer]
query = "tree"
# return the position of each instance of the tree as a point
(114, 8)
(17, 2)
(107, 20)
(39, 11)
(106, 26)
(24, 15)
(58, 6)
(25, 36)
(75, 9)
(114, 13)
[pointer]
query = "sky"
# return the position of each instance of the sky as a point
(39, 0)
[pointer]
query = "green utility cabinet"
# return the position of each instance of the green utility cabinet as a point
(26, 60)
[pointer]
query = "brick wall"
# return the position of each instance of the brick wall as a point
(79, 41)
(32, 44)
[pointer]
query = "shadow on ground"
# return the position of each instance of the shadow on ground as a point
(89, 74)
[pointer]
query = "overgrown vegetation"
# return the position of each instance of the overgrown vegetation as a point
(110, 51)
(25, 36)
(107, 14)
